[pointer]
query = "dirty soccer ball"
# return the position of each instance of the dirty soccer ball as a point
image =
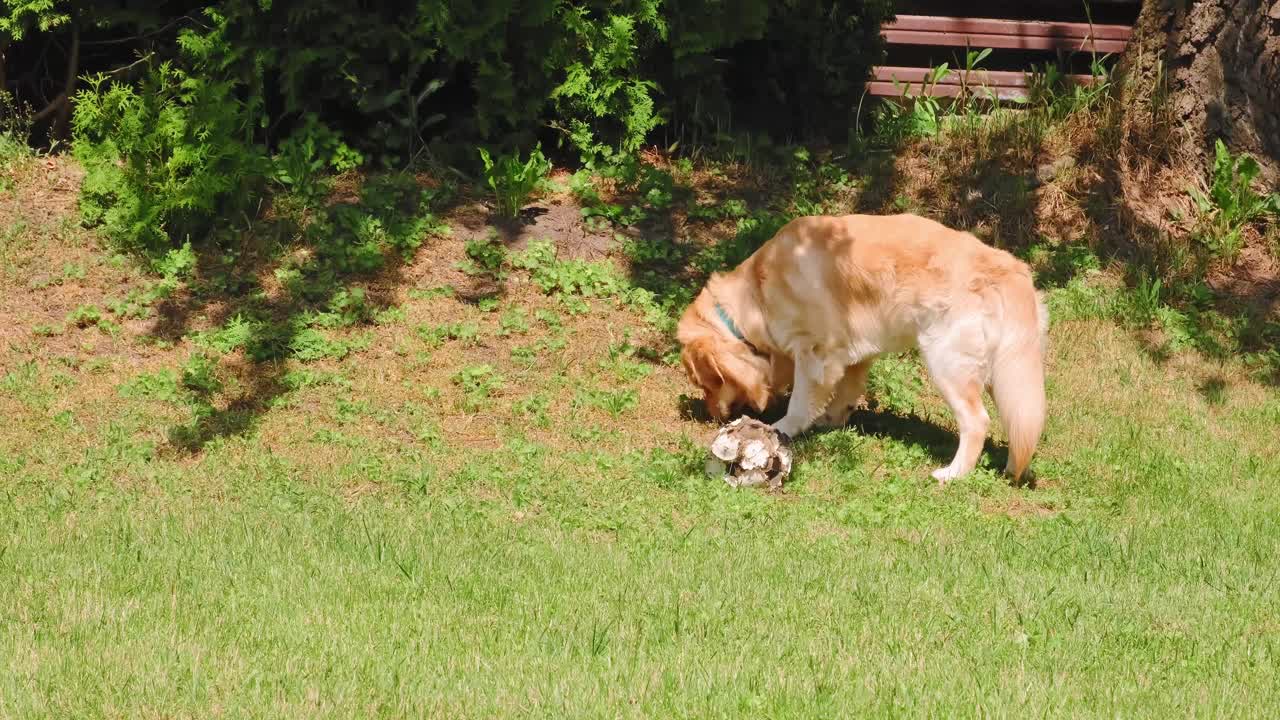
(749, 453)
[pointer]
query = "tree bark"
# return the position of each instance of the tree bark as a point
(61, 129)
(1218, 63)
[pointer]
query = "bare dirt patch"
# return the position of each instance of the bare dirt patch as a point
(557, 218)
(45, 191)
(1253, 280)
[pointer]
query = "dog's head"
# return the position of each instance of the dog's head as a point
(730, 375)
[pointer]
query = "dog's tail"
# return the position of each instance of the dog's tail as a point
(1017, 376)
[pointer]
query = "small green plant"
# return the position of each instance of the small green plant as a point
(525, 354)
(513, 322)
(1080, 299)
(160, 385)
(622, 361)
(310, 344)
(912, 115)
(614, 402)
(347, 410)
(596, 213)
(310, 151)
(485, 257)
(574, 305)
(535, 408)
(308, 378)
(478, 384)
(390, 316)
(553, 344)
(567, 277)
(72, 272)
(200, 375)
(971, 95)
(234, 334)
(347, 307)
(86, 316)
(431, 293)
(1145, 301)
(654, 190)
(1231, 203)
(1055, 95)
(646, 251)
(732, 208)
(1179, 329)
(434, 336)
(549, 318)
(514, 181)
(133, 306)
(973, 59)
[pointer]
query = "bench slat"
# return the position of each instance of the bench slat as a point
(978, 33)
(992, 78)
(987, 40)
(1020, 28)
(887, 89)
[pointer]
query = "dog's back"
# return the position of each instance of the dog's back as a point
(880, 274)
(862, 285)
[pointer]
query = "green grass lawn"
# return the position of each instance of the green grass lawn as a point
(498, 510)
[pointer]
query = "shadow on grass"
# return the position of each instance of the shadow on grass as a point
(880, 185)
(1213, 389)
(294, 286)
(907, 428)
(938, 441)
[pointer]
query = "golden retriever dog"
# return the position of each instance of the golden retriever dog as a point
(820, 301)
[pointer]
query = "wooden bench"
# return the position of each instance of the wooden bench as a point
(981, 33)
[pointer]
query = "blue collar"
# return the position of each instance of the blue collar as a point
(728, 322)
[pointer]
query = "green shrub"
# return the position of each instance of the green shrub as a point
(163, 160)
(386, 78)
(1231, 202)
(512, 181)
(312, 150)
(232, 98)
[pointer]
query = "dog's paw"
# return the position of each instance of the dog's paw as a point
(945, 475)
(834, 420)
(785, 429)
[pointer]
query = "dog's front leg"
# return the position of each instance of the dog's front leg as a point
(813, 385)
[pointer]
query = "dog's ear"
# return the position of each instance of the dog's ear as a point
(699, 361)
(711, 364)
(751, 381)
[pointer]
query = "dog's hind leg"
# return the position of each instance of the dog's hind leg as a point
(961, 381)
(848, 392)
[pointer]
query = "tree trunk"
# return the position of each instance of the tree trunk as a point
(1219, 62)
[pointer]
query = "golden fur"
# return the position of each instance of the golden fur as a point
(827, 295)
